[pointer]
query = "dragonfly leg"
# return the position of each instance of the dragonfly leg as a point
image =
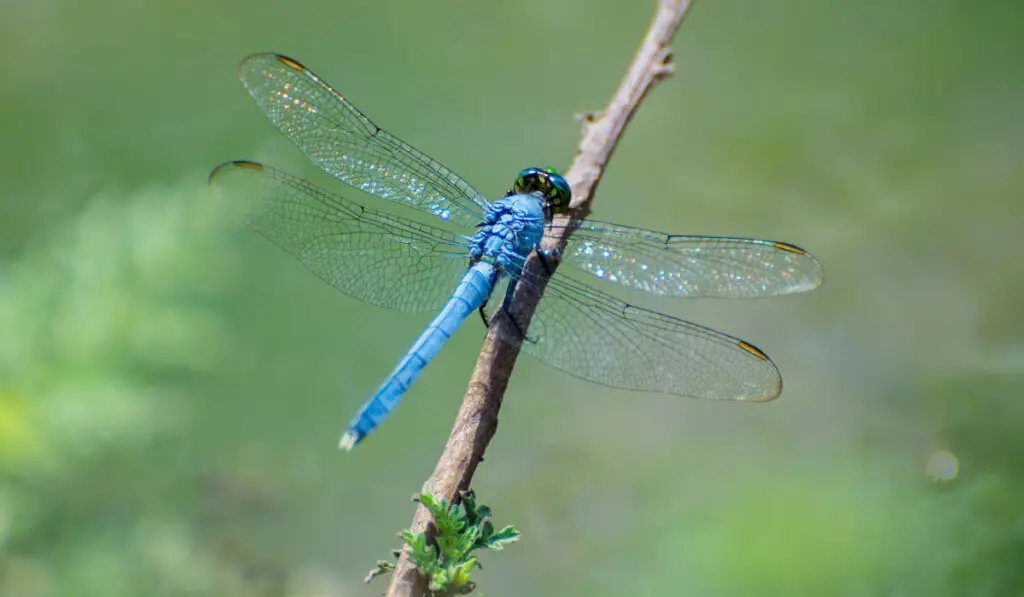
(509, 292)
(494, 281)
(519, 328)
(544, 262)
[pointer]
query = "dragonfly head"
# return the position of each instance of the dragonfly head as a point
(547, 183)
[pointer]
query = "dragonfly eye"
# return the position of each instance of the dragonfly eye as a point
(548, 184)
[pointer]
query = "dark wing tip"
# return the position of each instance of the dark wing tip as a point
(819, 270)
(789, 248)
(770, 393)
(290, 62)
(757, 352)
(269, 56)
(245, 164)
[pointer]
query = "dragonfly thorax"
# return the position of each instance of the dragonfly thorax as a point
(511, 229)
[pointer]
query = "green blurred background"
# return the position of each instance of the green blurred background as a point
(172, 386)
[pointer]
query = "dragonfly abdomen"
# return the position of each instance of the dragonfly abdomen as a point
(471, 293)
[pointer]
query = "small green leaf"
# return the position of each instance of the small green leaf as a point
(468, 499)
(483, 513)
(506, 535)
(461, 576)
(436, 509)
(437, 582)
(423, 555)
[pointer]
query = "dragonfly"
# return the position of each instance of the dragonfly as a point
(454, 265)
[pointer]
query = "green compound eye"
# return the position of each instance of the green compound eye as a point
(547, 183)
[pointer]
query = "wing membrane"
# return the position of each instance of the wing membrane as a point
(691, 266)
(369, 255)
(342, 141)
(596, 337)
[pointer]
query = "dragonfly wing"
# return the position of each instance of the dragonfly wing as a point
(599, 338)
(369, 255)
(691, 266)
(342, 141)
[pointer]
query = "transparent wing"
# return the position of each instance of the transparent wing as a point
(691, 266)
(369, 255)
(338, 138)
(596, 337)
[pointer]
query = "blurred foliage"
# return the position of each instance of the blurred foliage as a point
(171, 386)
(94, 314)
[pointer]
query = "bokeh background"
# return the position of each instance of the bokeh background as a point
(172, 386)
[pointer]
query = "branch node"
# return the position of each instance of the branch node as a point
(586, 120)
(664, 67)
(587, 117)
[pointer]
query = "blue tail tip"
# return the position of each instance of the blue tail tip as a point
(349, 440)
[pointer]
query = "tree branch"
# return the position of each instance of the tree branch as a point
(477, 419)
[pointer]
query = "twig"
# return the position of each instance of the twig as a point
(477, 419)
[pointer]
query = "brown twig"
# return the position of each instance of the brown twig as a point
(477, 419)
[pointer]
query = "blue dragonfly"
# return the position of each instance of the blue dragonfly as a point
(407, 265)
